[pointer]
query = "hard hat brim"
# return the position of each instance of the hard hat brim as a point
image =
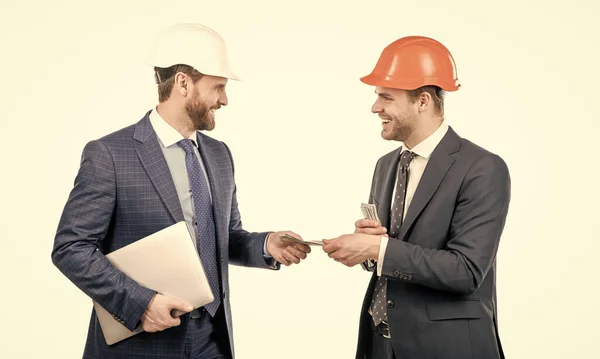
(408, 84)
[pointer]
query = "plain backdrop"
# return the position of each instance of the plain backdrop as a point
(305, 146)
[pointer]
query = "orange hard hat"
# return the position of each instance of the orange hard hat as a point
(412, 62)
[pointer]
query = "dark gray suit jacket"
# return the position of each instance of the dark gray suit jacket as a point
(122, 193)
(442, 269)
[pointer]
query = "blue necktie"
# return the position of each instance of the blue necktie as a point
(205, 225)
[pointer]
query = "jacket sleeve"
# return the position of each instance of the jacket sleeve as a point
(82, 228)
(474, 235)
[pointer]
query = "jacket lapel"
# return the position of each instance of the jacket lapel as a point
(155, 164)
(212, 169)
(435, 171)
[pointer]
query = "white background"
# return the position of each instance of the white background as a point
(305, 145)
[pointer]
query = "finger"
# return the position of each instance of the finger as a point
(175, 322)
(335, 254)
(302, 247)
(177, 313)
(366, 223)
(150, 328)
(179, 305)
(290, 256)
(329, 248)
(328, 242)
(375, 231)
(153, 327)
(296, 252)
(283, 260)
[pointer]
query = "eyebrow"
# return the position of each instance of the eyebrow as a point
(384, 94)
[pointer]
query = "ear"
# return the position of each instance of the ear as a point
(424, 101)
(182, 84)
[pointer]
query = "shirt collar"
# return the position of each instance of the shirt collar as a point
(425, 148)
(167, 135)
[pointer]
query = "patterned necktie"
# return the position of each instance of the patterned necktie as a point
(205, 225)
(378, 304)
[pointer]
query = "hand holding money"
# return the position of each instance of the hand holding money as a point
(371, 224)
(286, 251)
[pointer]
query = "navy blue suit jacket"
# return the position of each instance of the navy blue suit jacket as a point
(122, 193)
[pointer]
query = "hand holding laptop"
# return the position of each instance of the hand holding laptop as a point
(158, 317)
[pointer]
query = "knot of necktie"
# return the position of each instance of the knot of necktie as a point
(406, 158)
(187, 145)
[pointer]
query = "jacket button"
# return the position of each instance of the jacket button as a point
(390, 304)
(396, 273)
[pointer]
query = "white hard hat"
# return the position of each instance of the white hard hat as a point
(194, 45)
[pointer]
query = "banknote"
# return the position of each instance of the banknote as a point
(287, 238)
(369, 211)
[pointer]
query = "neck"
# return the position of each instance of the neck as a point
(423, 131)
(175, 117)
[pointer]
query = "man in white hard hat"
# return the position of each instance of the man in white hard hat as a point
(148, 176)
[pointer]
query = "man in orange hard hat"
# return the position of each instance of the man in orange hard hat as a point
(442, 202)
(148, 176)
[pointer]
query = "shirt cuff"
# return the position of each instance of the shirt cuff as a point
(265, 253)
(382, 246)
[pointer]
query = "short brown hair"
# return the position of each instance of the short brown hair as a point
(437, 94)
(165, 78)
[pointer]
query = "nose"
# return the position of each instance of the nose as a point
(377, 108)
(223, 101)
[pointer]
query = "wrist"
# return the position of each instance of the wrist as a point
(267, 243)
(374, 248)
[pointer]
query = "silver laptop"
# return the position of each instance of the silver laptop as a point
(167, 262)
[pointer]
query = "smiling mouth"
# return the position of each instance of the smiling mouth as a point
(385, 122)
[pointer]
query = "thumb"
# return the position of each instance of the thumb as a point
(327, 242)
(179, 305)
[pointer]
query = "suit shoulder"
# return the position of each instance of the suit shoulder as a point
(120, 135)
(111, 141)
(214, 143)
(476, 154)
(474, 150)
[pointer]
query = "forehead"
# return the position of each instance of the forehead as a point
(211, 81)
(389, 92)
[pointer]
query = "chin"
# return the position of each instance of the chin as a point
(386, 136)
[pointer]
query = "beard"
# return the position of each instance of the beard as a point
(199, 114)
(401, 126)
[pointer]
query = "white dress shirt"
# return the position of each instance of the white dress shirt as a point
(168, 137)
(423, 150)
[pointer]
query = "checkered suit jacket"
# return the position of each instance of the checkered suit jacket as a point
(122, 193)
